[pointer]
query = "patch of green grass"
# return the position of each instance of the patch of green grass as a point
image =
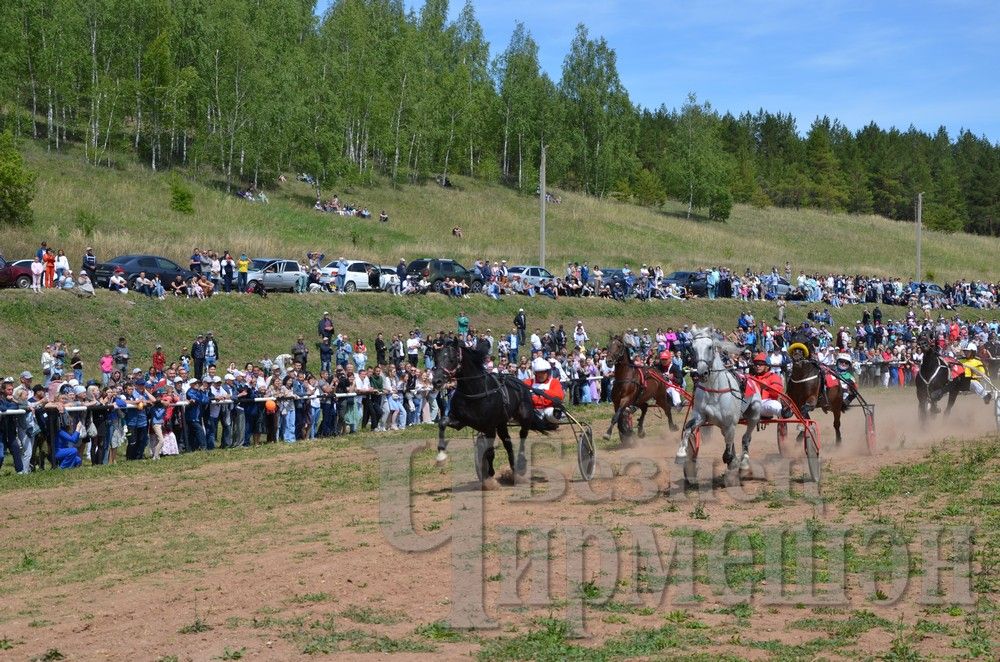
(699, 512)
(944, 472)
(548, 643)
(6, 644)
(857, 624)
(439, 631)
(932, 627)
(622, 608)
(51, 655)
(233, 654)
(384, 644)
(372, 616)
(307, 598)
(196, 627)
(741, 610)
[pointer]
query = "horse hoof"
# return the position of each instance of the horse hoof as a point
(727, 457)
(491, 485)
(745, 462)
(606, 437)
(732, 478)
(441, 458)
(641, 434)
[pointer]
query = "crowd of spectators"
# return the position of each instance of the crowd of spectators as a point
(220, 271)
(89, 408)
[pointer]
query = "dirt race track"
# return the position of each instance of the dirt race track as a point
(288, 551)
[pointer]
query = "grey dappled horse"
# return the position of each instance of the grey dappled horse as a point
(719, 400)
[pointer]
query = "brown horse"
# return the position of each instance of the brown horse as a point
(805, 386)
(634, 386)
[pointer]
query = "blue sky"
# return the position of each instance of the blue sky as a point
(894, 62)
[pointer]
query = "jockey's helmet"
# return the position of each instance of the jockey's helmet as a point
(760, 357)
(844, 357)
(971, 347)
(666, 356)
(540, 365)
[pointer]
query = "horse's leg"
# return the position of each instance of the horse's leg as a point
(837, 407)
(693, 422)
(729, 456)
(952, 396)
(640, 430)
(664, 402)
(752, 418)
(509, 447)
(489, 482)
(614, 421)
(522, 461)
(442, 455)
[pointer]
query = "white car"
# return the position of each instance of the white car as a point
(357, 274)
(531, 274)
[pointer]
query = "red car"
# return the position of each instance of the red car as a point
(14, 276)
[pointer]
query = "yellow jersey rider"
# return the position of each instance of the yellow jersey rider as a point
(974, 369)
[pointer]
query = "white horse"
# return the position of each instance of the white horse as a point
(719, 400)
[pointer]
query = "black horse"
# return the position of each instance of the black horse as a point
(485, 402)
(934, 379)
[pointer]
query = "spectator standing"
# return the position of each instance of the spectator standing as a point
(211, 350)
(300, 352)
(194, 264)
(159, 360)
(198, 355)
(520, 323)
(325, 326)
(120, 355)
(242, 268)
(228, 272)
(49, 258)
(463, 325)
(89, 265)
(76, 365)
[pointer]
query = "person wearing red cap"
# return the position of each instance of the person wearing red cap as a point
(771, 386)
(671, 374)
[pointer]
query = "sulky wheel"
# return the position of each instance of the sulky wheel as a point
(870, 430)
(586, 452)
(479, 448)
(812, 452)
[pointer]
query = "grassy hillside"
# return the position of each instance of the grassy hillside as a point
(248, 327)
(131, 206)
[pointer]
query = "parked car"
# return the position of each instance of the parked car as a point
(531, 274)
(357, 274)
(931, 290)
(13, 275)
(435, 270)
(695, 283)
(275, 274)
(131, 265)
(22, 263)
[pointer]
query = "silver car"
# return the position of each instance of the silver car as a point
(531, 274)
(275, 274)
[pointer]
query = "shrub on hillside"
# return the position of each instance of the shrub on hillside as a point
(17, 184)
(721, 205)
(86, 222)
(181, 197)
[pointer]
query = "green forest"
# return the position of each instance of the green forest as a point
(244, 89)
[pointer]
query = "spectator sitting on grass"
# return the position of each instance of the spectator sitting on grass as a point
(117, 282)
(383, 217)
(84, 288)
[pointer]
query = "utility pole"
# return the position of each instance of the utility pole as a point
(541, 197)
(920, 211)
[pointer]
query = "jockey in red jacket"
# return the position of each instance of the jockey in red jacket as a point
(543, 381)
(668, 370)
(771, 386)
